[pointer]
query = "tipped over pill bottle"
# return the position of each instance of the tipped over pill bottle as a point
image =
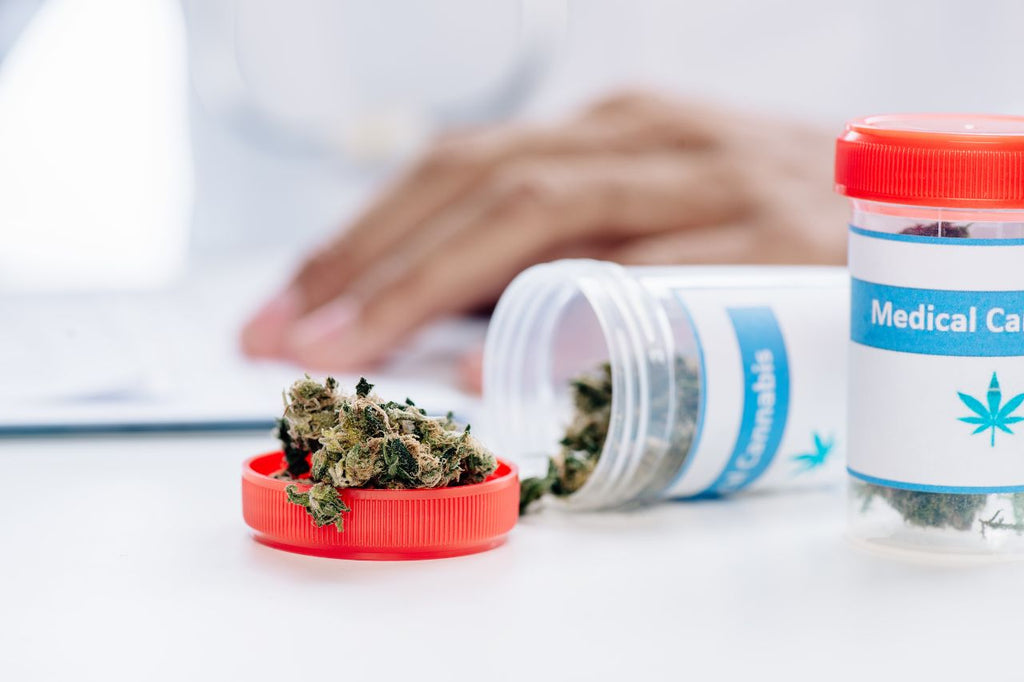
(723, 379)
(936, 391)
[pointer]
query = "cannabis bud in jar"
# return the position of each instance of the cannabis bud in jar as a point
(334, 441)
(582, 443)
(936, 389)
(584, 439)
(958, 511)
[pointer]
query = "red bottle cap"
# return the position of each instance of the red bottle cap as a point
(942, 160)
(384, 524)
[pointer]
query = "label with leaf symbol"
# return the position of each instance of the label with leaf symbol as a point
(772, 363)
(936, 376)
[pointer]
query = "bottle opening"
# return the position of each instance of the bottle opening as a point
(544, 333)
(561, 321)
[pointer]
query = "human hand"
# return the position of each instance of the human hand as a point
(636, 179)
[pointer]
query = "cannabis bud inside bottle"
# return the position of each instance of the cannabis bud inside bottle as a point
(937, 300)
(628, 385)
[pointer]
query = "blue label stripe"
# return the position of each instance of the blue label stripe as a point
(937, 321)
(920, 487)
(934, 241)
(765, 399)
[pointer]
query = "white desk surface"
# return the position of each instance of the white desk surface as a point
(127, 559)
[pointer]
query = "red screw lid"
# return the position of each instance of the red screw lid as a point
(944, 160)
(384, 524)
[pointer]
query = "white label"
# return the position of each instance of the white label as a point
(936, 378)
(773, 382)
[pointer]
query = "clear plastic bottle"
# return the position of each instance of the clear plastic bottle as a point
(723, 378)
(937, 296)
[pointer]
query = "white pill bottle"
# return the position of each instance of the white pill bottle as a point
(766, 344)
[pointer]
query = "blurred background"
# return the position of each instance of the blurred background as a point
(165, 164)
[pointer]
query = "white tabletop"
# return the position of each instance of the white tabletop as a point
(128, 559)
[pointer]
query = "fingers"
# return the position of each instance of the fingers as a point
(449, 172)
(454, 169)
(702, 124)
(261, 336)
(654, 136)
(458, 163)
(527, 212)
(658, 193)
(734, 243)
(468, 268)
(434, 183)
(471, 371)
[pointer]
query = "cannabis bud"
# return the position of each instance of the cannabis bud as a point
(584, 439)
(582, 443)
(336, 441)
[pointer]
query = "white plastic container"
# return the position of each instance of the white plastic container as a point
(767, 343)
(936, 355)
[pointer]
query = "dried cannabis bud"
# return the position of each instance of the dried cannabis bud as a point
(339, 441)
(941, 229)
(582, 443)
(584, 439)
(929, 510)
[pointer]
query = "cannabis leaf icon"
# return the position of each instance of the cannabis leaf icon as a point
(813, 460)
(995, 416)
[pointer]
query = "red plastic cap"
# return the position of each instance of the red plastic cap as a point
(944, 160)
(384, 524)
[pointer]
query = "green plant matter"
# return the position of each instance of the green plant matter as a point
(939, 229)
(926, 510)
(335, 441)
(998, 522)
(582, 443)
(584, 439)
